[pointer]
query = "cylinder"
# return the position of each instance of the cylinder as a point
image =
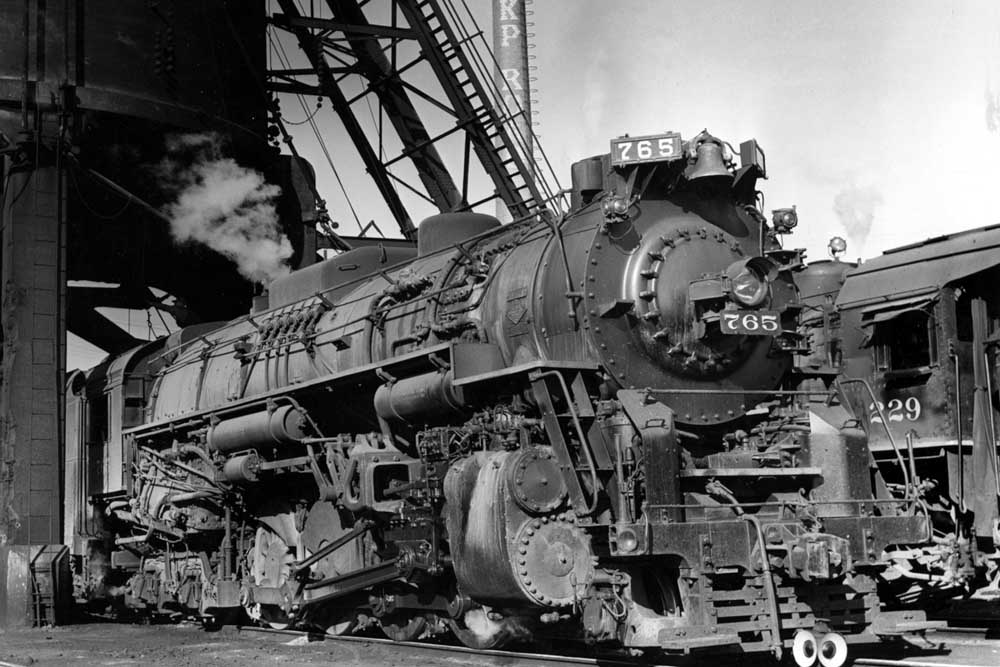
(418, 400)
(242, 468)
(477, 530)
(284, 426)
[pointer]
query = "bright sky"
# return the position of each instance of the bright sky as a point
(880, 103)
(885, 101)
(879, 106)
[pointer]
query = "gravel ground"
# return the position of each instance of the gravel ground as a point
(189, 646)
(183, 646)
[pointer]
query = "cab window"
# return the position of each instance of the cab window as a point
(906, 342)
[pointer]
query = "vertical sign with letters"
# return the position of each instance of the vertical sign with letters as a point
(510, 47)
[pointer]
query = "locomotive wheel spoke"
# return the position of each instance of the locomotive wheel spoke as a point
(340, 622)
(270, 564)
(403, 626)
(477, 631)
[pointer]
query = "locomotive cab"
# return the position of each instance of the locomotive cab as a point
(921, 329)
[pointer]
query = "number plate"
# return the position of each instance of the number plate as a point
(750, 322)
(654, 148)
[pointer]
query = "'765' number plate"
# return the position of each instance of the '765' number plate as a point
(653, 148)
(750, 322)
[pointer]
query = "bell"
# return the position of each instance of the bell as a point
(709, 161)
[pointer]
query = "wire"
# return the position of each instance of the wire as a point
(83, 200)
(301, 122)
(381, 148)
(285, 62)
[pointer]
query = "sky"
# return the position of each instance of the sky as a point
(873, 115)
(873, 109)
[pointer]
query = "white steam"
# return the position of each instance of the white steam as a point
(855, 207)
(225, 206)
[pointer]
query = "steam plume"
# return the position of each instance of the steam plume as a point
(225, 206)
(855, 207)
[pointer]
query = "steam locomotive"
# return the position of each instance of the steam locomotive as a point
(912, 335)
(576, 426)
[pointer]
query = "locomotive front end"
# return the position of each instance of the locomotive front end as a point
(743, 512)
(682, 290)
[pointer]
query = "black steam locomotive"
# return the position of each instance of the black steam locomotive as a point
(913, 337)
(579, 426)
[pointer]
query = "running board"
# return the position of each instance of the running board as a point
(686, 639)
(895, 623)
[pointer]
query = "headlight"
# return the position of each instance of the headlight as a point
(748, 287)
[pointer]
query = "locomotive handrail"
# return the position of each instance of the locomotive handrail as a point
(993, 426)
(958, 429)
(223, 342)
(885, 425)
(784, 504)
(584, 442)
(321, 294)
(763, 392)
(772, 595)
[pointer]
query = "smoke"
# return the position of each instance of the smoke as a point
(225, 206)
(855, 207)
(992, 111)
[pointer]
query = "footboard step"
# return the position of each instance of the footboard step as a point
(672, 640)
(903, 622)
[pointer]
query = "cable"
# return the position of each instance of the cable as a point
(248, 61)
(375, 123)
(285, 62)
(83, 200)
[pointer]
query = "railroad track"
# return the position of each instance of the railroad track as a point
(959, 636)
(913, 662)
(498, 657)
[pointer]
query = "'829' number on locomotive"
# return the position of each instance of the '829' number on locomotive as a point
(896, 411)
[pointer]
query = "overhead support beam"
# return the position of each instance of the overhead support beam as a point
(463, 97)
(311, 46)
(98, 330)
(357, 30)
(391, 93)
(294, 88)
(287, 74)
(492, 140)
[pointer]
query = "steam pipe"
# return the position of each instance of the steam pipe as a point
(191, 496)
(187, 468)
(227, 546)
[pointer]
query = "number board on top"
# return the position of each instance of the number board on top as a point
(652, 148)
